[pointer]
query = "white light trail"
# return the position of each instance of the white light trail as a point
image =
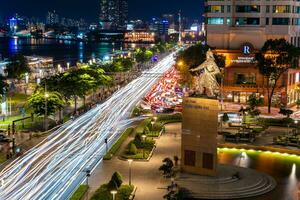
(55, 167)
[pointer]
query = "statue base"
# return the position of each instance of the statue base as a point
(199, 136)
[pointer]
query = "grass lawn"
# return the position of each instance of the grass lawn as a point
(118, 144)
(80, 192)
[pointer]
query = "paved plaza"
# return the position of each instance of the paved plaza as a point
(145, 175)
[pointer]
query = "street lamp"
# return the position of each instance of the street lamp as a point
(88, 174)
(296, 122)
(180, 63)
(152, 125)
(130, 162)
(144, 139)
(68, 65)
(114, 192)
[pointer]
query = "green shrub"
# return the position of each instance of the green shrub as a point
(276, 121)
(116, 181)
(103, 193)
(124, 192)
(138, 137)
(170, 118)
(132, 149)
(140, 128)
(148, 144)
(146, 131)
(79, 193)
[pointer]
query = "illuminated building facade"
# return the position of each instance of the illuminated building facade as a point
(238, 29)
(141, 36)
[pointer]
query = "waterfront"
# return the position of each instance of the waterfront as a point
(61, 50)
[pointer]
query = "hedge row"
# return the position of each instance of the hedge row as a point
(165, 119)
(103, 193)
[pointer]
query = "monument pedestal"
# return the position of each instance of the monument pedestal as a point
(199, 136)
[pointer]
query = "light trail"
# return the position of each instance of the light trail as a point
(55, 167)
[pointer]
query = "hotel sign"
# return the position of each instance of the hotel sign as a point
(247, 58)
(240, 60)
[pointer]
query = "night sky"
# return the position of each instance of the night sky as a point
(88, 9)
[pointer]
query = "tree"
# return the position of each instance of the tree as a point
(3, 86)
(37, 102)
(253, 103)
(17, 67)
(191, 58)
(115, 181)
(143, 55)
(274, 59)
(167, 167)
(77, 82)
(122, 64)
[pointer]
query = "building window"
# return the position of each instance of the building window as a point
(189, 158)
(297, 21)
(228, 9)
(245, 78)
(215, 9)
(247, 21)
(248, 9)
(281, 9)
(208, 161)
(280, 21)
(215, 20)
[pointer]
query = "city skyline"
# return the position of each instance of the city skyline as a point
(77, 9)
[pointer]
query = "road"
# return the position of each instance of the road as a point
(54, 168)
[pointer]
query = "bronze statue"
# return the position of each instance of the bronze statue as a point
(206, 83)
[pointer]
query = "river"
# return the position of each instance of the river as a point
(61, 51)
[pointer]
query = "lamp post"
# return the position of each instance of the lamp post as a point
(68, 65)
(144, 139)
(114, 192)
(130, 162)
(296, 122)
(152, 125)
(106, 145)
(88, 174)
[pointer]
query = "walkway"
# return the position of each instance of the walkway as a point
(145, 175)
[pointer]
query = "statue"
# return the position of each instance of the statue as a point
(206, 83)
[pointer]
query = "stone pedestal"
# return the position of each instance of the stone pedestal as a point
(199, 136)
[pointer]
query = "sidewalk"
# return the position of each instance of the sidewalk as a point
(145, 175)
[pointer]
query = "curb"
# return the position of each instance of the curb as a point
(132, 195)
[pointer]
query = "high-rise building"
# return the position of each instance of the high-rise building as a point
(238, 30)
(113, 14)
(52, 18)
(230, 22)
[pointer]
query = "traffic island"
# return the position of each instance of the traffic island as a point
(231, 182)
